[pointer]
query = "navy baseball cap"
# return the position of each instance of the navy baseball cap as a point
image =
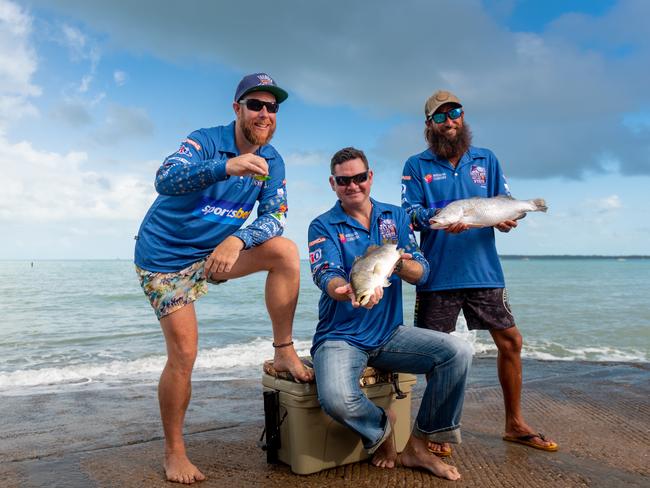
(259, 82)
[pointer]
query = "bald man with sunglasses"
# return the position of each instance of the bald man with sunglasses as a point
(193, 234)
(465, 270)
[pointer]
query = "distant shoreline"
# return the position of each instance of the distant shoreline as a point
(502, 256)
(571, 256)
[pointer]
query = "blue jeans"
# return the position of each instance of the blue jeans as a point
(443, 358)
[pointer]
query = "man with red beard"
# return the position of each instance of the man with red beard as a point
(193, 234)
(465, 270)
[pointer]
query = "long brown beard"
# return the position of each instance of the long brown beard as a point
(445, 147)
(255, 140)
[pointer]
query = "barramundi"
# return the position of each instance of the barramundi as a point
(485, 212)
(372, 270)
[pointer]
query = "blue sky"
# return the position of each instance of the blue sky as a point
(93, 95)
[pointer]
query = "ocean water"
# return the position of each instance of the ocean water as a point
(72, 324)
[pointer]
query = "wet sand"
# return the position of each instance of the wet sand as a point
(599, 413)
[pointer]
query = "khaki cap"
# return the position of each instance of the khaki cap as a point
(438, 99)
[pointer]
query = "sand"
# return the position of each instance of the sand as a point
(599, 413)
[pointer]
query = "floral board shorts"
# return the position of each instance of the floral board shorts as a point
(484, 308)
(168, 292)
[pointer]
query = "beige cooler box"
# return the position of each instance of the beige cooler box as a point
(308, 439)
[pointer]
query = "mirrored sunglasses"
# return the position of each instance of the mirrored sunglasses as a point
(256, 105)
(453, 114)
(346, 180)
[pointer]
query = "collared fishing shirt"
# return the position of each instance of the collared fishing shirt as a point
(335, 240)
(199, 205)
(468, 259)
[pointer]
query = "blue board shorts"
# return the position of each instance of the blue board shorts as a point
(484, 308)
(168, 292)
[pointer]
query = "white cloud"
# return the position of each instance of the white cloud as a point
(542, 100)
(18, 63)
(40, 186)
(119, 77)
(85, 83)
(82, 48)
(75, 40)
(612, 202)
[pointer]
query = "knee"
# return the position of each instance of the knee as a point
(284, 251)
(338, 405)
(511, 343)
(181, 358)
(464, 353)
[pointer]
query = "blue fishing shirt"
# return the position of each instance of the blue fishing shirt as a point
(468, 259)
(335, 240)
(199, 205)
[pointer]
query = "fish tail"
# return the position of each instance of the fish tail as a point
(540, 204)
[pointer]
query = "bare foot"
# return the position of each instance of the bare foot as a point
(286, 359)
(386, 454)
(440, 450)
(416, 455)
(178, 468)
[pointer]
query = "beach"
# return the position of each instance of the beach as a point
(599, 413)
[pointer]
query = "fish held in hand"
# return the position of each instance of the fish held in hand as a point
(485, 212)
(372, 270)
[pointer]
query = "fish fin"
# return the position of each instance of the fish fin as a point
(364, 298)
(520, 216)
(540, 203)
(386, 283)
(371, 248)
(504, 197)
(377, 269)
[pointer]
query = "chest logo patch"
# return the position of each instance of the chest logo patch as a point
(387, 230)
(478, 174)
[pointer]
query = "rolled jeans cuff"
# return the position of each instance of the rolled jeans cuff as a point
(387, 431)
(450, 434)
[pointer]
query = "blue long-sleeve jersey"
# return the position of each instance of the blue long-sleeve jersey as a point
(468, 259)
(335, 240)
(199, 205)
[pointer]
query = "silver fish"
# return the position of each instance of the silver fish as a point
(372, 270)
(485, 212)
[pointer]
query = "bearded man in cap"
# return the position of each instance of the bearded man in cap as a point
(193, 234)
(465, 270)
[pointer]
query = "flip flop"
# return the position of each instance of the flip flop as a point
(527, 440)
(443, 453)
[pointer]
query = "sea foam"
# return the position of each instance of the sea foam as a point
(227, 362)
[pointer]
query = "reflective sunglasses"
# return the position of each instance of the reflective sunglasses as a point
(440, 117)
(346, 180)
(256, 105)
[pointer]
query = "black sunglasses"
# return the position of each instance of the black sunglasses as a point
(440, 117)
(256, 105)
(346, 180)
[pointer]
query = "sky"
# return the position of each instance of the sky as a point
(94, 95)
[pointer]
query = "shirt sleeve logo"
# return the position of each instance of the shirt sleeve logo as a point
(315, 256)
(184, 150)
(193, 143)
(318, 240)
